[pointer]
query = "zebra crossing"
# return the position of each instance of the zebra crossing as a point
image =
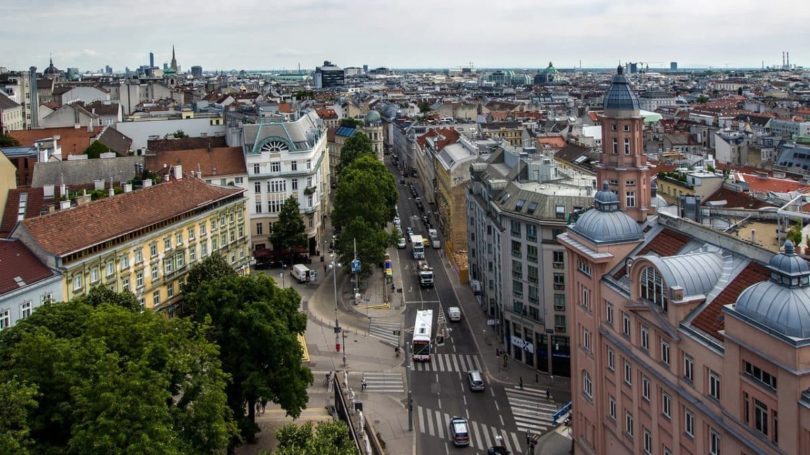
(482, 436)
(449, 363)
(384, 331)
(530, 408)
(381, 382)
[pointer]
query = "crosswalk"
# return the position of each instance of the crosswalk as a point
(482, 436)
(530, 408)
(380, 382)
(449, 363)
(384, 331)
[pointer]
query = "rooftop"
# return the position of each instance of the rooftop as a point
(19, 267)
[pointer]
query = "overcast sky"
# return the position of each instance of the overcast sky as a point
(274, 34)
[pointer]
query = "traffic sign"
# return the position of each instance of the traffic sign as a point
(356, 266)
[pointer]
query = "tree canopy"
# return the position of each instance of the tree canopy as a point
(256, 325)
(371, 244)
(211, 268)
(289, 231)
(96, 149)
(366, 189)
(8, 141)
(354, 147)
(105, 379)
(327, 438)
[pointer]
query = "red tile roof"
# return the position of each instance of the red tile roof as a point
(71, 230)
(186, 143)
(34, 206)
(666, 243)
(710, 320)
(757, 184)
(551, 141)
(17, 261)
(736, 199)
(213, 162)
(326, 113)
(74, 141)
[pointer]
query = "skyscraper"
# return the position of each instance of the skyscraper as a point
(151, 60)
(673, 66)
(196, 71)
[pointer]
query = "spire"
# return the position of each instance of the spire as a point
(174, 61)
(173, 52)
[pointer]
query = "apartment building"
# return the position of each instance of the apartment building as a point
(26, 285)
(143, 240)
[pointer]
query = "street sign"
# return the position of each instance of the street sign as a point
(396, 332)
(356, 266)
(337, 329)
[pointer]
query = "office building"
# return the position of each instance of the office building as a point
(673, 66)
(151, 60)
(329, 75)
(196, 71)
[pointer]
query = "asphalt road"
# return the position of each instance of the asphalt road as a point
(440, 388)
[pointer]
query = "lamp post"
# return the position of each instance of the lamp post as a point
(334, 265)
(281, 275)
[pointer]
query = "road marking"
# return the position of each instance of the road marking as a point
(498, 408)
(421, 419)
(477, 435)
(455, 363)
(487, 441)
(439, 427)
(500, 416)
(517, 444)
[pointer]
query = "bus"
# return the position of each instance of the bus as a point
(422, 329)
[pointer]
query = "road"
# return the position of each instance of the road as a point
(440, 389)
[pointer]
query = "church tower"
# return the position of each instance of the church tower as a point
(174, 61)
(623, 164)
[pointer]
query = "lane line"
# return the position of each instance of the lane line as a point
(517, 443)
(439, 426)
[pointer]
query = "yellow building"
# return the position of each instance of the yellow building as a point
(8, 179)
(143, 241)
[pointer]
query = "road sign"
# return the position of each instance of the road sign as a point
(396, 332)
(356, 266)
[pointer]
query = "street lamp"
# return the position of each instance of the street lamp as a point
(333, 266)
(281, 275)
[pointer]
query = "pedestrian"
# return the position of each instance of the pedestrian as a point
(264, 405)
(521, 383)
(363, 385)
(548, 393)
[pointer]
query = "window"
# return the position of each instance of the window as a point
(202, 229)
(586, 339)
(665, 352)
(170, 290)
(630, 183)
(25, 309)
(645, 388)
(630, 199)
(627, 127)
(110, 268)
(168, 265)
(761, 417)
(192, 254)
(612, 407)
(759, 375)
(125, 283)
(609, 313)
(626, 146)
(647, 442)
(531, 253)
(214, 243)
(156, 298)
(666, 405)
(585, 298)
(775, 427)
(531, 232)
(645, 338)
(138, 255)
(559, 302)
(533, 274)
(613, 126)
(190, 233)
(153, 249)
(652, 287)
(257, 187)
(559, 323)
(139, 279)
(238, 180)
(515, 228)
(155, 273)
(714, 442)
(274, 206)
(714, 385)
(611, 359)
(178, 238)
(516, 251)
(558, 259)
(180, 260)
(584, 266)
(309, 164)
(167, 243)
(559, 212)
(259, 228)
(628, 373)
(309, 182)
(293, 165)
(625, 324)
(204, 249)
(628, 423)
(587, 386)
(294, 184)
(93, 275)
(5, 320)
(277, 186)
(689, 423)
(258, 206)
(77, 282)
(275, 166)
(688, 368)
(615, 146)
(256, 169)
(559, 282)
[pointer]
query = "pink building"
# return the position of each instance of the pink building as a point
(685, 340)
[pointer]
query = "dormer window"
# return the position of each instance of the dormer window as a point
(651, 287)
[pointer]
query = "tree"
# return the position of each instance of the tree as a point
(209, 269)
(256, 325)
(371, 243)
(794, 234)
(8, 141)
(96, 149)
(424, 107)
(365, 189)
(289, 232)
(354, 147)
(18, 401)
(112, 380)
(327, 438)
(99, 295)
(179, 134)
(702, 99)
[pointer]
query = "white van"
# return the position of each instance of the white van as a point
(301, 273)
(454, 314)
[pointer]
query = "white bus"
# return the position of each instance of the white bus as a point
(422, 328)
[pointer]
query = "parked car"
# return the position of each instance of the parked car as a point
(402, 243)
(396, 220)
(475, 380)
(409, 230)
(459, 431)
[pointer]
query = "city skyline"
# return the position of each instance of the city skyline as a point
(520, 34)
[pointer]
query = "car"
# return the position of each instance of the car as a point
(459, 431)
(498, 450)
(402, 243)
(396, 220)
(454, 314)
(425, 241)
(476, 381)
(409, 230)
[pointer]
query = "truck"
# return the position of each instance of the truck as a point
(302, 273)
(425, 274)
(435, 242)
(417, 246)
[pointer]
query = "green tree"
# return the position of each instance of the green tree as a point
(179, 134)
(365, 189)
(8, 141)
(209, 269)
(794, 234)
(424, 107)
(18, 401)
(327, 438)
(256, 325)
(112, 380)
(351, 122)
(702, 99)
(371, 243)
(354, 147)
(99, 295)
(96, 149)
(289, 232)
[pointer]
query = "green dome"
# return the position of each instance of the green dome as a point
(550, 69)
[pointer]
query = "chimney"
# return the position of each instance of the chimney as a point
(127, 188)
(753, 235)
(178, 172)
(111, 192)
(147, 183)
(64, 205)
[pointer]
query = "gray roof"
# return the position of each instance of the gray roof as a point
(620, 96)
(82, 172)
(117, 141)
(7, 103)
(697, 273)
(605, 223)
(781, 304)
(300, 135)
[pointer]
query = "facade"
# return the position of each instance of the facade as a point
(511, 132)
(285, 159)
(516, 207)
(788, 129)
(143, 241)
(329, 76)
(85, 94)
(452, 175)
(26, 286)
(8, 178)
(11, 114)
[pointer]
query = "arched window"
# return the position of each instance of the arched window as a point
(651, 287)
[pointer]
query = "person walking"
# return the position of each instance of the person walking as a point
(363, 385)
